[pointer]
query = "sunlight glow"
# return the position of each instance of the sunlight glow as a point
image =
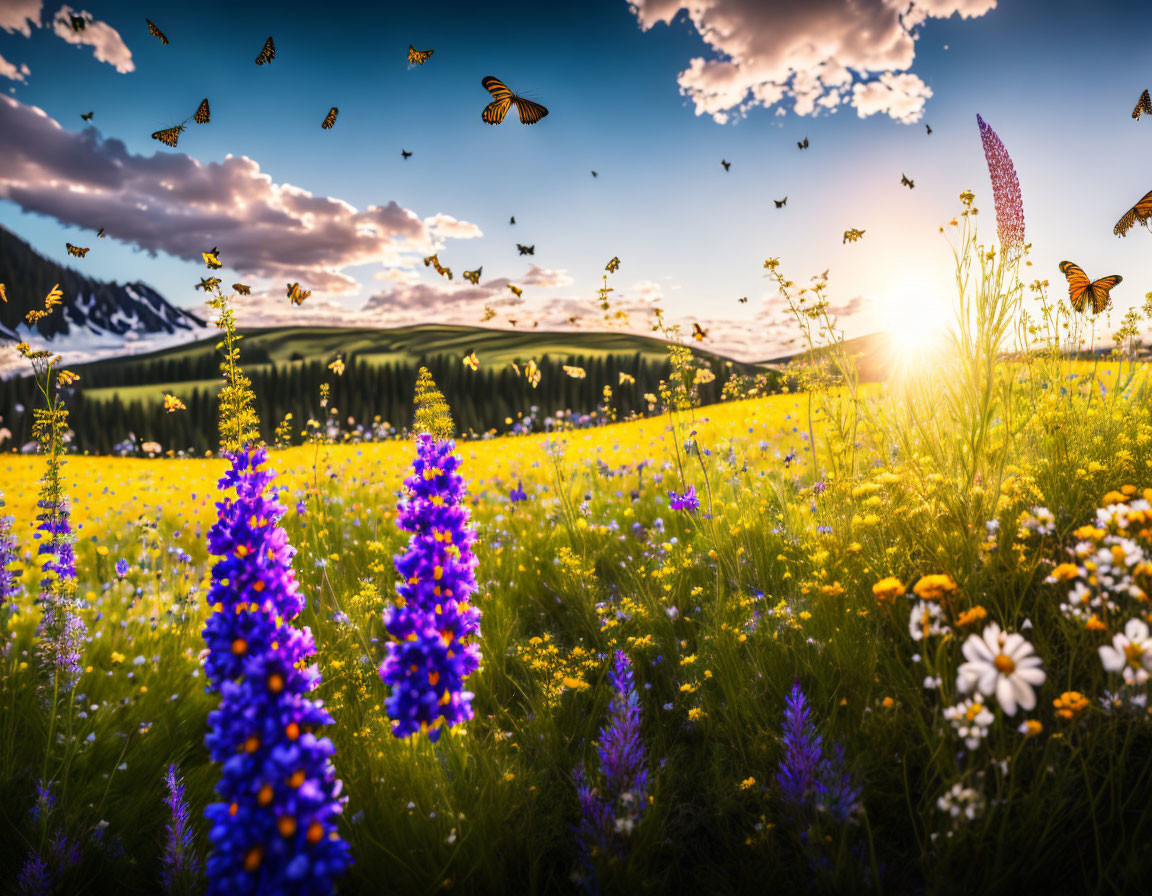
(917, 322)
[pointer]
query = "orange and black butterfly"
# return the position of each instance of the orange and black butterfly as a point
(434, 260)
(202, 115)
(169, 136)
(268, 53)
(471, 361)
(79, 23)
(87, 117)
(1140, 213)
(613, 266)
(242, 288)
(212, 258)
(699, 333)
(330, 118)
(1082, 291)
(503, 99)
(473, 277)
(526, 250)
(516, 290)
(75, 250)
(296, 294)
(418, 57)
(1143, 105)
(156, 32)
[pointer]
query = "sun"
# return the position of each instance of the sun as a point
(918, 320)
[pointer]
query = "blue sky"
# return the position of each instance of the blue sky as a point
(1057, 80)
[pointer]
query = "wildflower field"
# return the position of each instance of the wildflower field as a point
(850, 637)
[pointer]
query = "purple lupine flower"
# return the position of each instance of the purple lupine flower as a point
(180, 868)
(609, 815)
(820, 487)
(808, 781)
(33, 879)
(274, 830)
(121, 568)
(8, 556)
(61, 630)
(432, 623)
(686, 501)
(43, 871)
(518, 494)
(1005, 189)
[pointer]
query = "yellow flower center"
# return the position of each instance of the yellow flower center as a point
(1005, 665)
(1134, 653)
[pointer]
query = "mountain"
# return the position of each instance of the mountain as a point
(873, 353)
(91, 310)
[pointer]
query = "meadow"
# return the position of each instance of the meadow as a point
(854, 638)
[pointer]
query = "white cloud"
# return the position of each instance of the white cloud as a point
(818, 53)
(104, 40)
(20, 15)
(13, 72)
(441, 226)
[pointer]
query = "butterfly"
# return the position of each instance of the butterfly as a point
(296, 294)
(404, 153)
(594, 174)
(516, 290)
(532, 373)
(471, 361)
(512, 321)
(1081, 289)
(78, 23)
(473, 277)
(75, 250)
(904, 181)
(929, 128)
(726, 165)
(802, 144)
(268, 53)
(208, 283)
(503, 99)
(577, 373)
(87, 117)
(850, 236)
(698, 332)
(1143, 105)
(512, 220)
(212, 259)
(434, 261)
(242, 288)
(169, 136)
(780, 203)
(330, 118)
(613, 266)
(418, 57)
(743, 300)
(156, 32)
(202, 114)
(626, 379)
(1141, 212)
(527, 250)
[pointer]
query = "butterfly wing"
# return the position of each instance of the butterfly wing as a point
(418, 57)
(1101, 292)
(1141, 213)
(1078, 284)
(502, 99)
(168, 136)
(473, 277)
(156, 32)
(268, 53)
(202, 115)
(1143, 105)
(242, 288)
(330, 118)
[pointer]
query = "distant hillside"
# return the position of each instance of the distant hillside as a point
(90, 308)
(873, 354)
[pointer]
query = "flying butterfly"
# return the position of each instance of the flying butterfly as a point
(208, 283)
(1141, 213)
(1143, 105)
(473, 277)
(471, 361)
(512, 220)
(698, 332)
(296, 294)
(87, 117)
(405, 154)
(330, 118)
(75, 250)
(242, 289)
(212, 258)
(726, 165)
(780, 203)
(906, 182)
(79, 23)
(850, 236)
(156, 32)
(594, 174)
(503, 99)
(268, 53)
(418, 57)
(169, 136)
(743, 300)
(516, 290)
(613, 266)
(512, 321)
(577, 373)
(1085, 294)
(802, 144)
(101, 233)
(527, 250)
(202, 114)
(434, 261)
(929, 128)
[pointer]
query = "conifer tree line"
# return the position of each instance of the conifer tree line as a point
(367, 391)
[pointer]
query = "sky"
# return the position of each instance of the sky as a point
(650, 96)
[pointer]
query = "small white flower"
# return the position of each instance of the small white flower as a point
(1002, 664)
(926, 620)
(1130, 652)
(970, 719)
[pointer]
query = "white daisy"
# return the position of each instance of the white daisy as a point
(1131, 652)
(1002, 664)
(926, 619)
